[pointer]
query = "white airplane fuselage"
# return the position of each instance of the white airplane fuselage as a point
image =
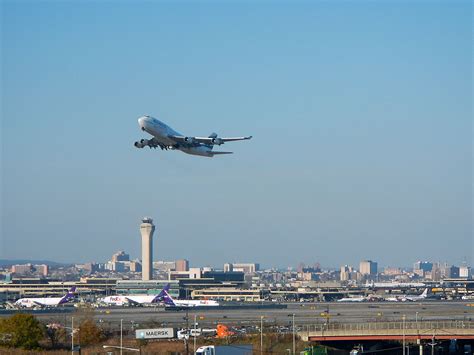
(120, 300)
(161, 132)
(196, 303)
(352, 299)
(38, 302)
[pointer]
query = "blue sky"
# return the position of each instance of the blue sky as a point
(361, 115)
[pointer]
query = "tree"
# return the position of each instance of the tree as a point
(56, 334)
(21, 331)
(89, 333)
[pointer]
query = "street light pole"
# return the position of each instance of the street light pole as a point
(294, 336)
(121, 336)
(403, 334)
(261, 334)
(433, 344)
(72, 335)
(195, 334)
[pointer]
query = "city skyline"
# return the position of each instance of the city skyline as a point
(361, 116)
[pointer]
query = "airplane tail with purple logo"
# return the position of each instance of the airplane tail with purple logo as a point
(68, 296)
(168, 300)
(162, 295)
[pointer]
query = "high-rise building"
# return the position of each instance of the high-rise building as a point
(22, 269)
(465, 271)
(146, 230)
(120, 256)
(164, 265)
(346, 273)
(368, 267)
(42, 269)
(135, 266)
(182, 265)
(247, 268)
(423, 265)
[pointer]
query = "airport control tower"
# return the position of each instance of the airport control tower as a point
(146, 229)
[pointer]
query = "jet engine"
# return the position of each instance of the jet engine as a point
(142, 143)
(189, 140)
(217, 141)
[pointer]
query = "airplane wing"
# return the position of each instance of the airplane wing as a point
(132, 301)
(219, 153)
(207, 140)
(39, 304)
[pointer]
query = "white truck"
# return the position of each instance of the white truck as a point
(237, 349)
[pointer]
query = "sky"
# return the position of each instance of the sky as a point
(361, 114)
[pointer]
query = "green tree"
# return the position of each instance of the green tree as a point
(21, 331)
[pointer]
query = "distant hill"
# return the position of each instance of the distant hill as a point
(7, 262)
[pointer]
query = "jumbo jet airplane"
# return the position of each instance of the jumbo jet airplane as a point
(46, 301)
(121, 300)
(170, 302)
(409, 298)
(352, 299)
(167, 138)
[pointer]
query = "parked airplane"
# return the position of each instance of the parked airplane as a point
(409, 298)
(370, 298)
(170, 302)
(167, 138)
(45, 301)
(352, 299)
(121, 300)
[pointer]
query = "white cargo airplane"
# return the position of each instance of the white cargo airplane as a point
(167, 138)
(409, 298)
(45, 301)
(352, 299)
(170, 302)
(121, 300)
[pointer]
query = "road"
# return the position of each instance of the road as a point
(306, 313)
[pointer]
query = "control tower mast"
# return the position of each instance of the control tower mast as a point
(146, 229)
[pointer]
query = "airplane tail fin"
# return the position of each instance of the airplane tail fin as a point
(68, 296)
(425, 293)
(162, 294)
(168, 299)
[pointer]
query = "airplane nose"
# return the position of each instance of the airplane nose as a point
(141, 122)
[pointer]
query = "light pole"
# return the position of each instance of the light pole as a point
(194, 333)
(294, 336)
(403, 318)
(121, 335)
(261, 334)
(72, 335)
(433, 344)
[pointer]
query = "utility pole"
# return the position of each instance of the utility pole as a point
(186, 338)
(261, 335)
(403, 318)
(294, 335)
(72, 335)
(121, 336)
(433, 343)
(195, 333)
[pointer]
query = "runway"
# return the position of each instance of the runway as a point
(307, 313)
